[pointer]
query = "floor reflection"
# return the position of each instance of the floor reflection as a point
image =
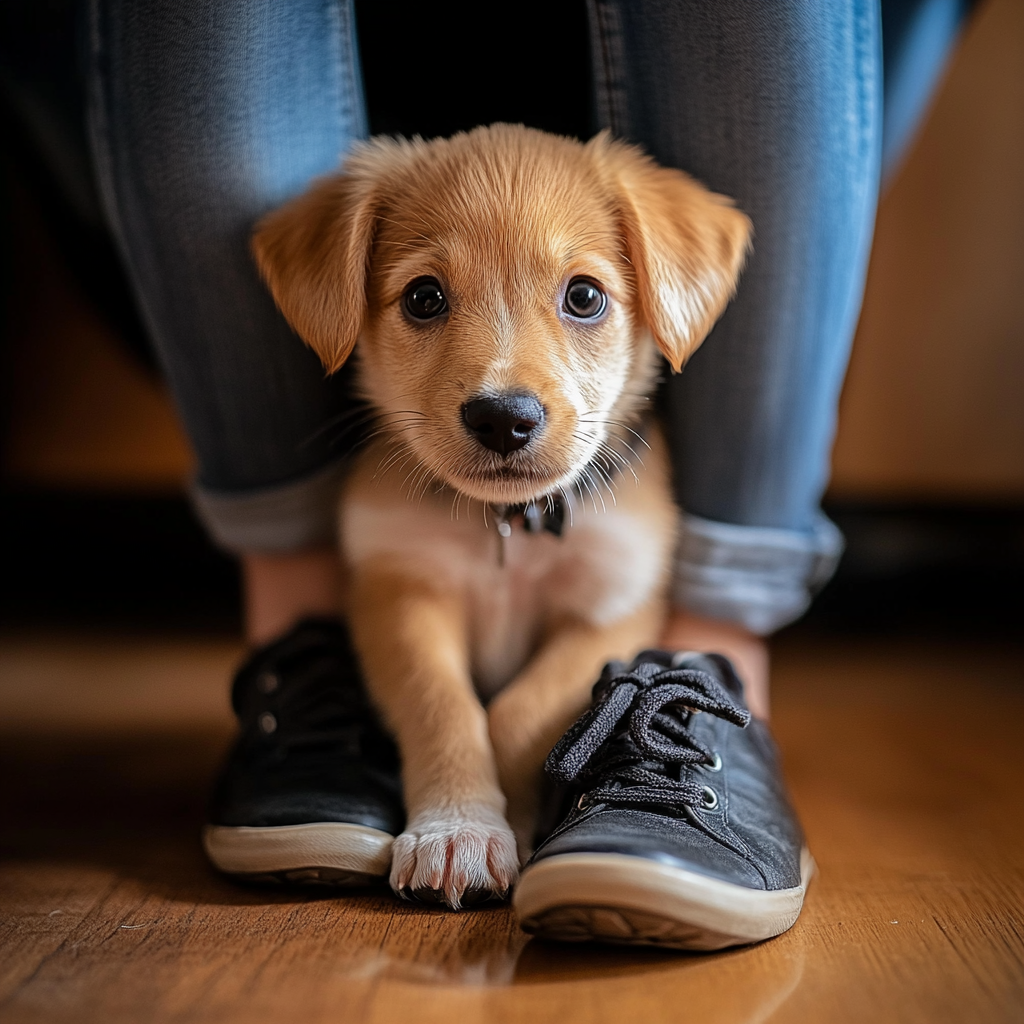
(478, 948)
(741, 986)
(487, 949)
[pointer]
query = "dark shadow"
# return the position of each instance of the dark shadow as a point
(436, 69)
(544, 962)
(134, 805)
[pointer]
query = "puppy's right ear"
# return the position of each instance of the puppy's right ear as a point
(313, 254)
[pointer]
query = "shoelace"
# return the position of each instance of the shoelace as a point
(637, 731)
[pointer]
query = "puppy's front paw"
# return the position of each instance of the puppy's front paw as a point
(455, 856)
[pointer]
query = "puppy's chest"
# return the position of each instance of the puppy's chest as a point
(511, 591)
(604, 566)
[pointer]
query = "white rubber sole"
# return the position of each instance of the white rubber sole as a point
(607, 897)
(323, 853)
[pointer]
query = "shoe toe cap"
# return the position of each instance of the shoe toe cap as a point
(672, 841)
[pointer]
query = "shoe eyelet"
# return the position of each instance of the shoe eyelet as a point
(267, 682)
(683, 656)
(708, 798)
(716, 765)
(267, 722)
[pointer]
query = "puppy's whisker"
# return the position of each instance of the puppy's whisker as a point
(604, 480)
(603, 483)
(621, 426)
(621, 463)
(402, 448)
(361, 418)
(395, 427)
(361, 410)
(567, 503)
(421, 483)
(407, 479)
(595, 495)
(337, 423)
(405, 462)
(603, 449)
(629, 448)
(593, 491)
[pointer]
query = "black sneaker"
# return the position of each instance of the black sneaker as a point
(676, 831)
(311, 790)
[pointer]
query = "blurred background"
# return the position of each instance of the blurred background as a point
(928, 471)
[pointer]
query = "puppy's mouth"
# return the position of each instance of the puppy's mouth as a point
(530, 462)
(507, 484)
(526, 475)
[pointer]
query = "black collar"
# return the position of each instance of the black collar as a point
(546, 514)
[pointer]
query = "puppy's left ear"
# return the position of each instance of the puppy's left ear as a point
(313, 254)
(686, 244)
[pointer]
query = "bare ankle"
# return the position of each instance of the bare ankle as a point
(747, 651)
(280, 590)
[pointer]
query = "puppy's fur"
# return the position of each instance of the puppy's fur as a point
(503, 217)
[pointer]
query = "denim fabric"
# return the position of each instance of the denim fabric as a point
(204, 116)
(757, 575)
(917, 37)
(780, 107)
(289, 517)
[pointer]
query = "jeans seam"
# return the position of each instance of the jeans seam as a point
(100, 116)
(348, 68)
(606, 49)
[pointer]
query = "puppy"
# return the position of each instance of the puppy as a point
(509, 527)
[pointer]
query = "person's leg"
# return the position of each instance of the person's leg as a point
(780, 107)
(777, 105)
(917, 37)
(203, 117)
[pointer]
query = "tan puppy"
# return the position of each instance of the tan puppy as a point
(509, 292)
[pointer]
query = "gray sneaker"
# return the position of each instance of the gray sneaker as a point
(676, 830)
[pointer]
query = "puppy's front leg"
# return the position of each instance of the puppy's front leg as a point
(527, 718)
(412, 641)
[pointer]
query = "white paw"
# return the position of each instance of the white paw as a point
(447, 853)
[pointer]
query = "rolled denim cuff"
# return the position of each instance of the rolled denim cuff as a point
(293, 517)
(760, 577)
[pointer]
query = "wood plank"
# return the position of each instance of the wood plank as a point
(905, 762)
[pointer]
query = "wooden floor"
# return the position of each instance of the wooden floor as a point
(905, 762)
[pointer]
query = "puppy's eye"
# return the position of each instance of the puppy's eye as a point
(584, 299)
(424, 299)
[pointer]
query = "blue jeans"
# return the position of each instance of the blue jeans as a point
(204, 116)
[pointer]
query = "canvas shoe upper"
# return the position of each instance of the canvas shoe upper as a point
(311, 789)
(675, 827)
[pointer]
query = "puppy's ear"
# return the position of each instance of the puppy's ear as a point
(686, 244)
(313, 254)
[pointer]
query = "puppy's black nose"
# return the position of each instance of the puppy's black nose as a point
(503, 422)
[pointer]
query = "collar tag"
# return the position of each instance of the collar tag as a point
(546, 516)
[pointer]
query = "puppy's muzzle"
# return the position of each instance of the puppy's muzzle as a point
(504, 422)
